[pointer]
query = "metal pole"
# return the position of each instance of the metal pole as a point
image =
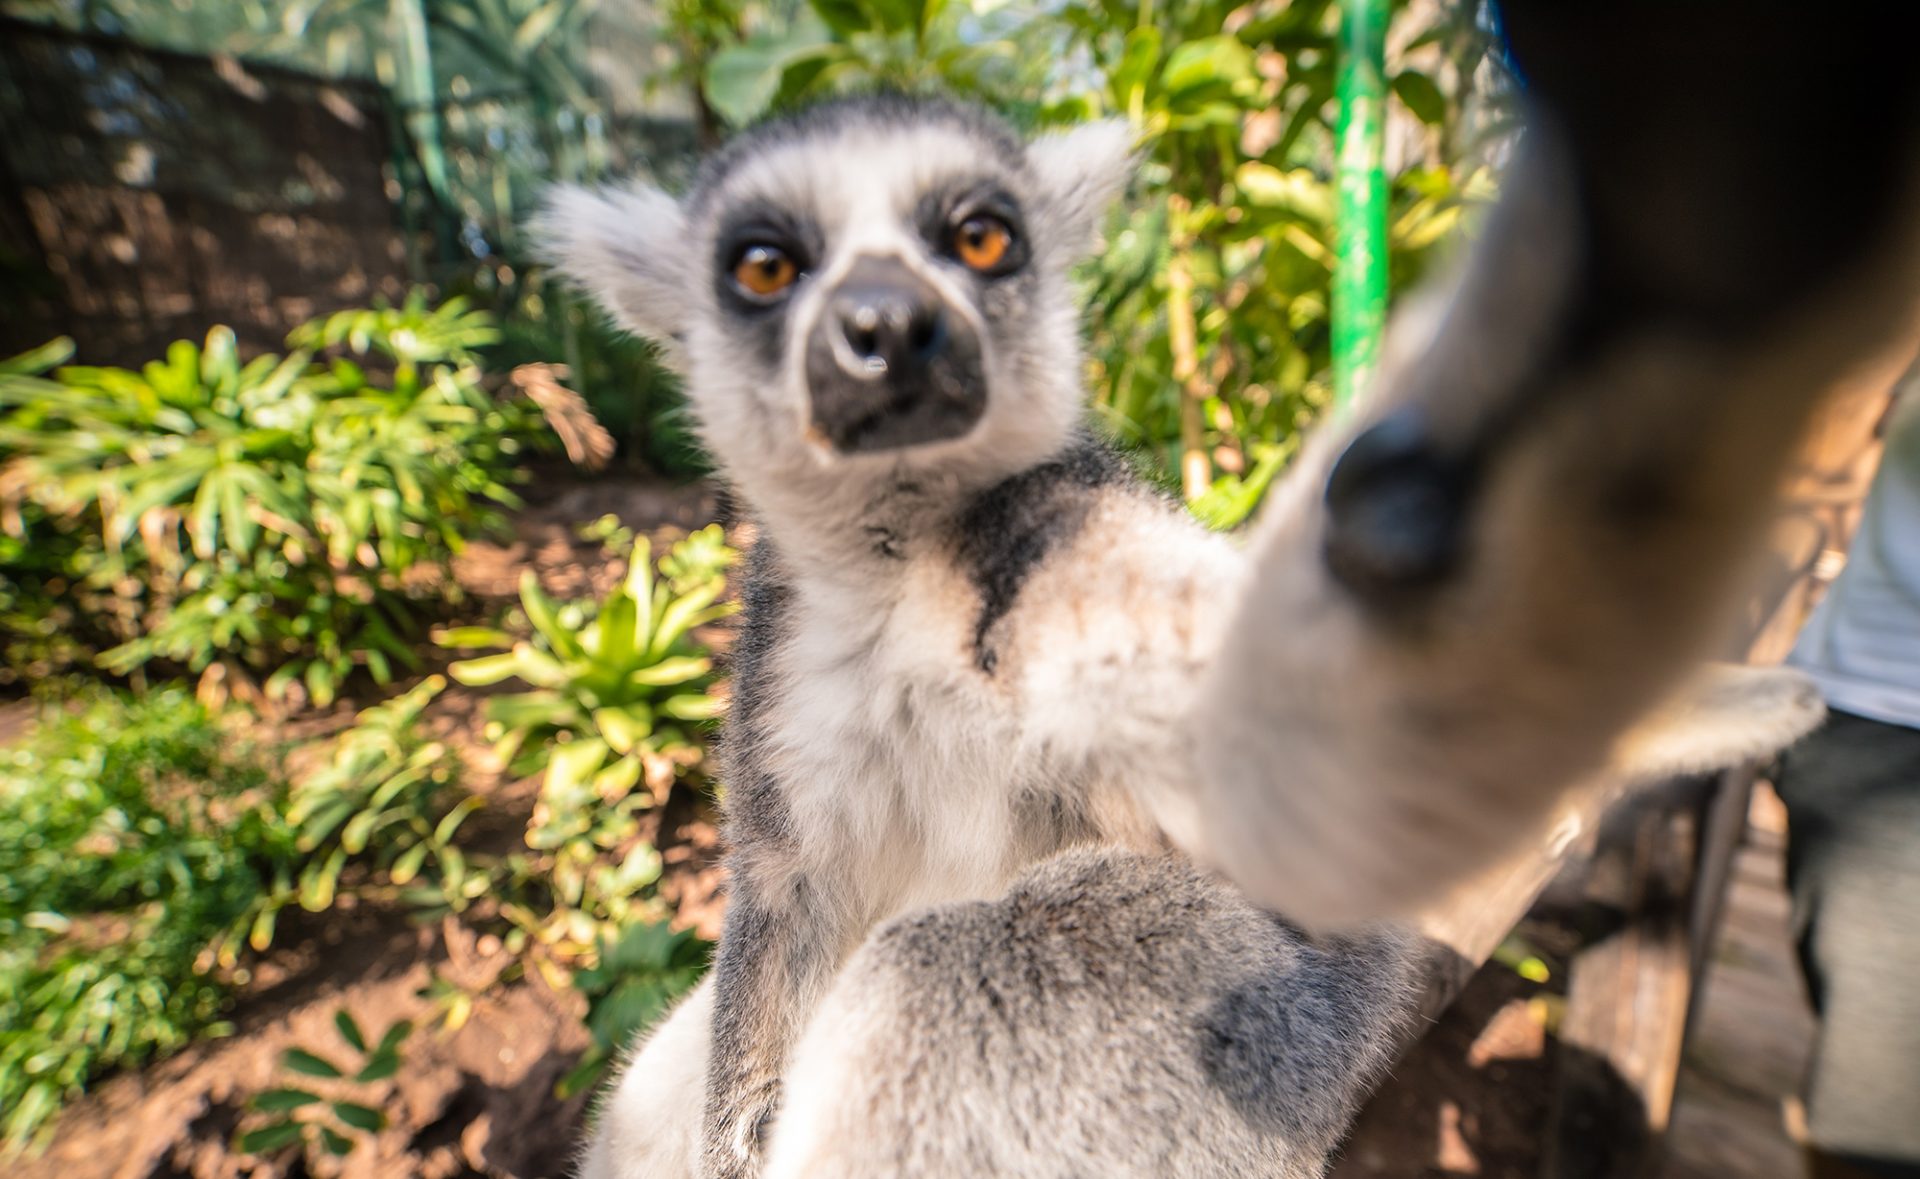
(1360, 266)
(417, 98)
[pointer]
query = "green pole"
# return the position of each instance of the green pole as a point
(1360, 246)
(415, 83)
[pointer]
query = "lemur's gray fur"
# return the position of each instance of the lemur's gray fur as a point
(986, 715)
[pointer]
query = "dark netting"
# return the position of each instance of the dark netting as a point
(150, 194)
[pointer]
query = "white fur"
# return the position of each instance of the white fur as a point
(627, 246)
(648, 1126)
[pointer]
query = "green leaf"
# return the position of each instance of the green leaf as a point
(54, 352)
(543, 613)
(895, 16)
(394, 1036)
(613, 782)
(743, 79)
(381, 1066)
(472, 636)
(307, 1064)
(1297, 191)
(408, 865)
(318, 882)
(1421, 96)
(846, 16)
(353, 837)
(573, 764)
(449, 823)
(668, 672)
(1137, 62)
(261, 935)
(535, 28)
(488, 669)
(694, 708)
(681, 615)
(360, 1117)
(268, 1138)
(624, 728)
(282, 1100)
(337, 1144)
(539, 668)
(320, 683)
(1220, 60)
(349, 1030)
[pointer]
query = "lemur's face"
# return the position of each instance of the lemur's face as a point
(872, 283)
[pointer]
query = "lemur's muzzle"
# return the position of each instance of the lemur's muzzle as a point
(890, 365)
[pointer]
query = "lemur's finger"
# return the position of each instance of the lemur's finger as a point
(1541, 517)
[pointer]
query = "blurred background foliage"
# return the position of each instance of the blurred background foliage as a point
(1209, 306)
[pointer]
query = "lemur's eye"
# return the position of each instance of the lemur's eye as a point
(764, 271)
(982, 242)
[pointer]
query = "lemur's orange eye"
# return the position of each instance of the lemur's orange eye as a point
(765, 271)
(982, 242)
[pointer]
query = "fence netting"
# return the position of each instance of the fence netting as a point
(149, 194)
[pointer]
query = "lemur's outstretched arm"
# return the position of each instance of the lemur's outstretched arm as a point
(1512, 550)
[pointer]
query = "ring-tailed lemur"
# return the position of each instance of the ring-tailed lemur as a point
(971, 637)
(972, 642)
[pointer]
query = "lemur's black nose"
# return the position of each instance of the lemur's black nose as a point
(890, 364)
(886, 324)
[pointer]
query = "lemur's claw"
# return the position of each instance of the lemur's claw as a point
(1396, 511)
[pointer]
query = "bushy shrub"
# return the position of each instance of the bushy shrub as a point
(149, 848)
(633, 981)
(282, 518)
(383, 798)
(615, 688)
(137, 835)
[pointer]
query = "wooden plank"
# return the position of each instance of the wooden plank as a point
(1627, 999)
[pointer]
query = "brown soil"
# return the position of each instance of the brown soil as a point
(1471, 1097)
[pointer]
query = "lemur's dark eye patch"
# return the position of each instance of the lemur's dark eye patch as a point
(978, 226)
(760, 257)
(765, 271)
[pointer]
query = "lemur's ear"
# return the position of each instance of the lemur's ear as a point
(1080, 172)
(627, 248)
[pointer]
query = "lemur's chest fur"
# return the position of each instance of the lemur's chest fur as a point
(910, 736)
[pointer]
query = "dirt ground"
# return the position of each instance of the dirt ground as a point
(1469, 1100)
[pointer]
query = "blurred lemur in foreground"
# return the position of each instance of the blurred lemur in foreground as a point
(1006, 723)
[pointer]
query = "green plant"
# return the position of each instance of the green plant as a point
(139, 832)
(294, 1112)
(381, 798)
(615, 688)
(701, 558)
(149, 849)
(285, 517)
(637, 977)
(837, 45)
